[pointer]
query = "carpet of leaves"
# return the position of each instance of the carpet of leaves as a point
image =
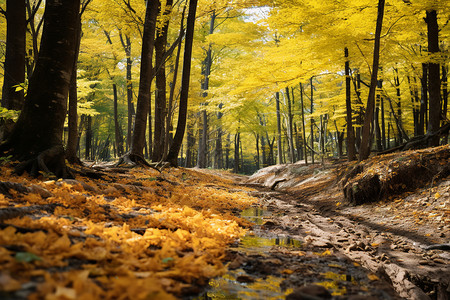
(137, 234)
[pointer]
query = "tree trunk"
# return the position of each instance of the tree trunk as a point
(34, 31)
(160, 79)
(444, 99)
(399, 107)
(279, 150)
(182, 111)
(423, 100)
(434, 86)
(351, 150)
(290, 128)
(172, 90)
(72, 140)
(88, 145)
(14, 67)
(236, 152)
(142, 108)
(312, 121)
(303, 124)
(365, 142)
(117, 128)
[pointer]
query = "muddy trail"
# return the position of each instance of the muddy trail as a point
(308, 243)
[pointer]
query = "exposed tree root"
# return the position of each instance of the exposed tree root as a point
(133, 160)
(14, 212)
(51, 162)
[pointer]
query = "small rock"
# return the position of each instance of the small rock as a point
(309, 292)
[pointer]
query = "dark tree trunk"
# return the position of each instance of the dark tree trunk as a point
(290, 127)
(72, 140)
(434, 85)
(423, 100)
(169, 117)
(279, 150)
(366, 136)
(117, 128)
(143, 100)
(182, 112)
(14, 67)
(312, 121)
(257, 159)
(351, 150)
(236, 152)
(160, 78)
(34, 31)
(303, 124)
(444, 99)
(88, 145)
(36, 139)
(399, 107)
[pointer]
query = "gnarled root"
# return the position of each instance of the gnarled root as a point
(50, 161)
(133, 160)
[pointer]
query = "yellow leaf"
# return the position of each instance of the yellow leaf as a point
(373, 277)
(436, 196)
(287, 271)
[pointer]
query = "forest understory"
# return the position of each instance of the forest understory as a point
(288, 231)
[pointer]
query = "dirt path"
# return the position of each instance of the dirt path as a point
(388, 245)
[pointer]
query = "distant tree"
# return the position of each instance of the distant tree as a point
(36, 139)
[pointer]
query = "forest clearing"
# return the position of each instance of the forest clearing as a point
(224, 149)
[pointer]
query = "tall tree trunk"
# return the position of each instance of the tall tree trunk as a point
(14, 67)
(160, 79)
(303, 124)
(279, 150)
(444, 98)
(72, 140)
(365, 142)
(88, 154)
(434, 86)
(290, 127)
(312, 121)
(399, 107)
(172, 90)
(351, 150)
(117, 128)
(34, 31)
(236, 152)
(145, 80)
(36, 138)
(423, 100)
(182, 110)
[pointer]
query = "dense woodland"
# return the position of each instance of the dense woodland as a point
(220, 84)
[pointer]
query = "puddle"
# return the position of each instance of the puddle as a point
(271, 265)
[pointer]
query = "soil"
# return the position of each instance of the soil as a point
(390, 238)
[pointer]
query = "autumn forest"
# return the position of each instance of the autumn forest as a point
(130, 130)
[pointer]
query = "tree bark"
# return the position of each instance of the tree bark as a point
(434, 86)
(351, 150)
(303, 124)
(36, 139)
(14, 67)
(423, 100)
(444, 99)
(279, 150)
(312, 121)
(142, 108)
(182, 111)
(117, 128)
(290, 128)
(366, 136)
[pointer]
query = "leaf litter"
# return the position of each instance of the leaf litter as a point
(136, 235)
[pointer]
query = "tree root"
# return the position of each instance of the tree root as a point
(50, 162)
(132, 160)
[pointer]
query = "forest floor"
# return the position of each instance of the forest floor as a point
(285, 232)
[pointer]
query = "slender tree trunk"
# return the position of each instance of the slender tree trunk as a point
(423, 100)
(312, 121)
(290, 133)
(117, 128)
(365, 142)
(14, 67)
(34, 31)
(351, 150)
(444, 99)
(303, 124)
(279, 150)
(434, 86)
(143, 100)
(172, 90)
(181, 126)
(236, 152)
(399, 107)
